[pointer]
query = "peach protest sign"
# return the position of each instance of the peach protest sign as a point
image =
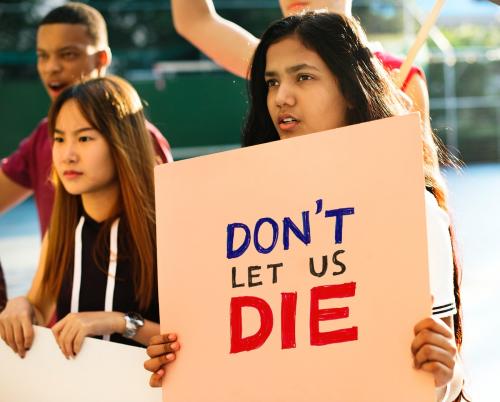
(102, 371)
(296, 270)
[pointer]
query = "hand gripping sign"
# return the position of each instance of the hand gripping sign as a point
(296, 270)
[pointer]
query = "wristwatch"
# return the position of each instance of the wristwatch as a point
(133, 321)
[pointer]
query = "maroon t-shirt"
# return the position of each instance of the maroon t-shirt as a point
(31, 163)
(391, 62)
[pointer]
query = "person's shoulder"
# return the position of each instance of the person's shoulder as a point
(156, 133)
(43, 125)
(32, 144)
(162, 147)
(152, 128)
(389, 60)
(392, 62)
(41, 131)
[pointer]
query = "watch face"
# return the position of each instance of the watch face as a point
(133, 321)
(136, 318)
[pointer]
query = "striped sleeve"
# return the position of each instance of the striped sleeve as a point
(440, 259)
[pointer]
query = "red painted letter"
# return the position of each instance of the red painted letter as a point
(288, 311)
(239, 344)
(329, 292)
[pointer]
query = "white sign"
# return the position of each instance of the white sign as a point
(102, 371)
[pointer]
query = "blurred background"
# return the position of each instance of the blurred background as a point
(462, 63)
(200, 109)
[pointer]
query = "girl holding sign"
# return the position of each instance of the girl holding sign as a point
(314, 72)
(97, 266)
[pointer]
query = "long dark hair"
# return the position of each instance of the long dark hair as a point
(113, 107)
(366, 86)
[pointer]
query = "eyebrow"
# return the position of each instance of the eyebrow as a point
(62, 49)
(80, 130)
(292, 69)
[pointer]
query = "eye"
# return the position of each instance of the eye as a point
(69, 55)
(84, 138)
(304, 77)
(272, 83)
(41, 56)
(58, 138)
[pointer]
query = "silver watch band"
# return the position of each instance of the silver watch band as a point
(133, 322)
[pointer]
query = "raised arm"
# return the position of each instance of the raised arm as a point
(226, 43)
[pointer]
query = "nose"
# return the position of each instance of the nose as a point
(69, 154)
(52, 65)
(285, 95)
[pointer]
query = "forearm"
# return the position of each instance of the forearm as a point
(226, 43)
(185, 14)
(144, 334)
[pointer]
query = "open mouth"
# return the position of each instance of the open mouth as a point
(287, 122)
(56, 86)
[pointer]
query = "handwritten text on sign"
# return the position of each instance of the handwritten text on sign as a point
(252, 278)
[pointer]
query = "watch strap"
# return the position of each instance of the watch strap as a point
(133, 322)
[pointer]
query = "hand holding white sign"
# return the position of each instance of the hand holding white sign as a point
(71, 331)
(16, 325)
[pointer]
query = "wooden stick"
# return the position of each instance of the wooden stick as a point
(419, 41)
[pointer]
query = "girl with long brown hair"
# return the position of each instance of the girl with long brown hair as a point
(97, 269)
(315, 72)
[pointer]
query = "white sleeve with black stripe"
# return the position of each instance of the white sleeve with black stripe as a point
(440, 258)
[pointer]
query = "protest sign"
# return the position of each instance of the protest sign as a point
(296, 270)
(102, 371)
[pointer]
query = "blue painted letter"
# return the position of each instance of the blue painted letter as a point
(339, 214)
(274, 225)
(304, 236)
(231, 252)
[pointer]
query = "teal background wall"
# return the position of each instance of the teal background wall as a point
(193, 109)
(22, 105)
